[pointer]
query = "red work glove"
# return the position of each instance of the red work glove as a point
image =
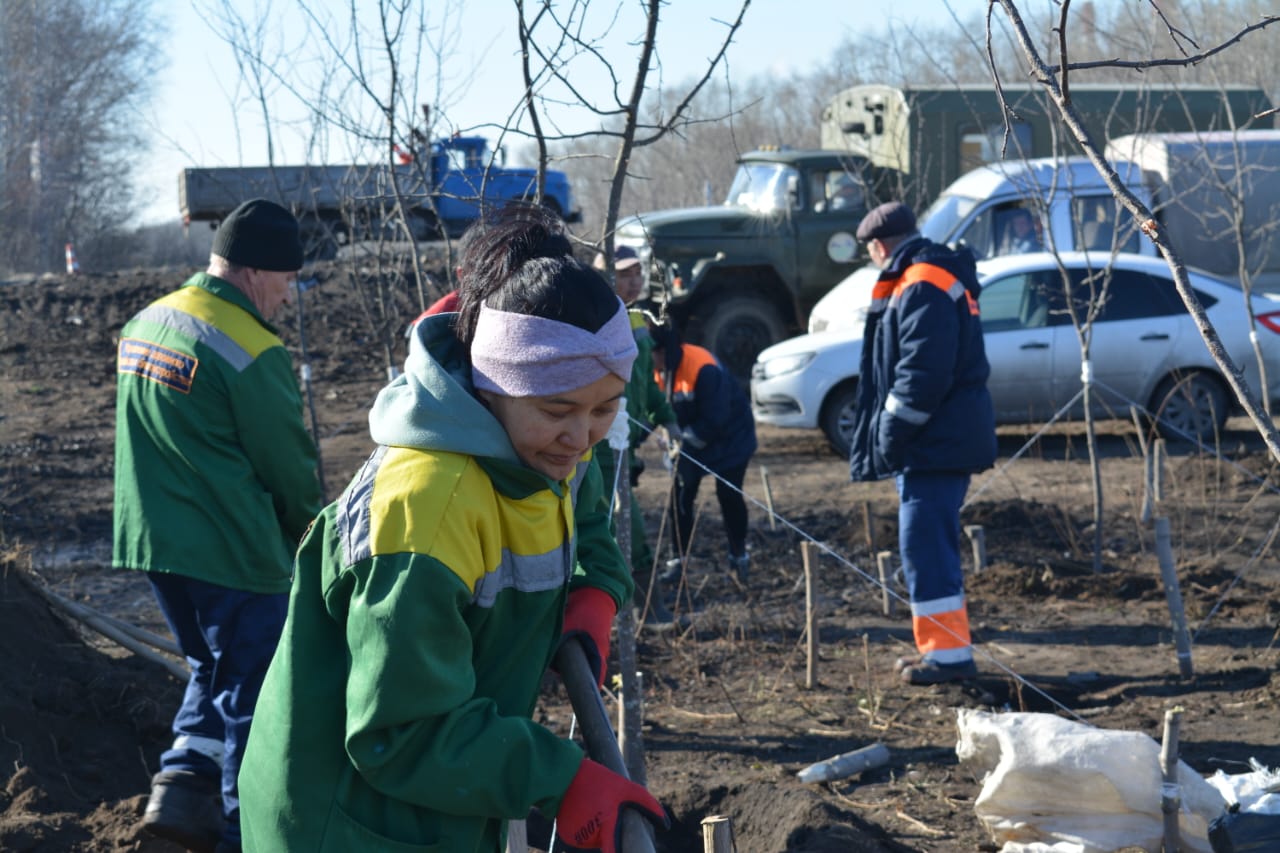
(590, 816)
(589, 616)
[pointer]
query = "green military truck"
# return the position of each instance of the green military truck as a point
(743, 275)
(928, 136)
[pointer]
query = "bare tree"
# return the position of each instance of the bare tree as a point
(74, 74)
(359, 95)
(566, 54)
(1056, 78)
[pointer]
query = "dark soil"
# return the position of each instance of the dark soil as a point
(728, 717)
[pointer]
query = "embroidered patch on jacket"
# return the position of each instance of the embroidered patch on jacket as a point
(170, 368)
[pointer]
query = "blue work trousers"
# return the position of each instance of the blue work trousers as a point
(929, 543)
(228, 637)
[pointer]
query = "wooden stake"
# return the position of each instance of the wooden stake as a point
(1173, 594)
(717, 835)
(884, 564)
(1138, 426)
(810, 618)
(978, 541)
(1148, 486)
(768, 497)
(1158, 469)
(1170, 791)
(868, 526)
(630, 709)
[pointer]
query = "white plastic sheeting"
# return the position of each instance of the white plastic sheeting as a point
(1057, 786)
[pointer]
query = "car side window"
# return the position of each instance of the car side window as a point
(1098, 219)
(1014, 302)
(1130, 295)
(980, 235)
(837, 190)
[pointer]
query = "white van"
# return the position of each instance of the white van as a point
(1069, 205)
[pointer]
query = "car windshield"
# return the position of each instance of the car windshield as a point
(944, 216)
(763, 187)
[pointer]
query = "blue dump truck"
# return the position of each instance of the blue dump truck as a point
(443, 188)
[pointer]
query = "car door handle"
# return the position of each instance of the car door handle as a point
(1034, 345)
(1154, 336)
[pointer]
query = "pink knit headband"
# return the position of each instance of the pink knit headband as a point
(519, 355)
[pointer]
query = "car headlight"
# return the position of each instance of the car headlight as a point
(785, 364)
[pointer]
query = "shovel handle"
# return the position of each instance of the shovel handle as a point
(602, 744)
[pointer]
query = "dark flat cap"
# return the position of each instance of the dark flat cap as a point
(891, 219)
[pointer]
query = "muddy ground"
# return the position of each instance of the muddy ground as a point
(729, 719)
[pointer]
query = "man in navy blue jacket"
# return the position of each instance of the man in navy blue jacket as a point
(925, 417)
(717, 436)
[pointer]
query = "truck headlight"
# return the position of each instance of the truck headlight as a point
(785, 364)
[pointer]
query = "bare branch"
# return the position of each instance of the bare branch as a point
(1149, 226)
(1141, 65)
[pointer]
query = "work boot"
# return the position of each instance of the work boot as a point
(907, 660)
(929, 672)
(185, 808)
(673, 573)
(740, 565)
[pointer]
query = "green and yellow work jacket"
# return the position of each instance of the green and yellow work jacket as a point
(215, 472)
(427, 603)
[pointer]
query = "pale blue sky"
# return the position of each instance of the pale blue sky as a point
(194, 124)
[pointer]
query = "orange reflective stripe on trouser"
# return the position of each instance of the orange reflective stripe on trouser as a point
(941, 629)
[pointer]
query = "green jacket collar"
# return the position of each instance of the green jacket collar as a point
(228, 292)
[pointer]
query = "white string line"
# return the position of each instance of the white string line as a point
(1261, 549)
(989, 480)
(1194, 439)
(875, 582)
(1261, 481)
(1204, 448)
(1021, 450)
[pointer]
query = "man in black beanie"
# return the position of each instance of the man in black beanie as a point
(215, 483)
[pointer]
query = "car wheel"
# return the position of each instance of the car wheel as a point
(738, 329)
(836, 419)
(1190, 404)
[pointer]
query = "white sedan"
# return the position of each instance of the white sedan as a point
(1145, 349)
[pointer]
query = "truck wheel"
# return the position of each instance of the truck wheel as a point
(738, 328)
(1193, 403)
(836, 418)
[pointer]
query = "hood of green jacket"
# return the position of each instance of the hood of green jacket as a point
(431, 405)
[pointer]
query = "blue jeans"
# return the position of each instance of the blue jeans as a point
(929, 542)
(228, 637)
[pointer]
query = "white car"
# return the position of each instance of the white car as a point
(1145, 349)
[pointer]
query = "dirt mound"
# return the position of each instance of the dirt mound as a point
(82, 730)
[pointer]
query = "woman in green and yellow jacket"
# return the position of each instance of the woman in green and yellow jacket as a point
(429, 599)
